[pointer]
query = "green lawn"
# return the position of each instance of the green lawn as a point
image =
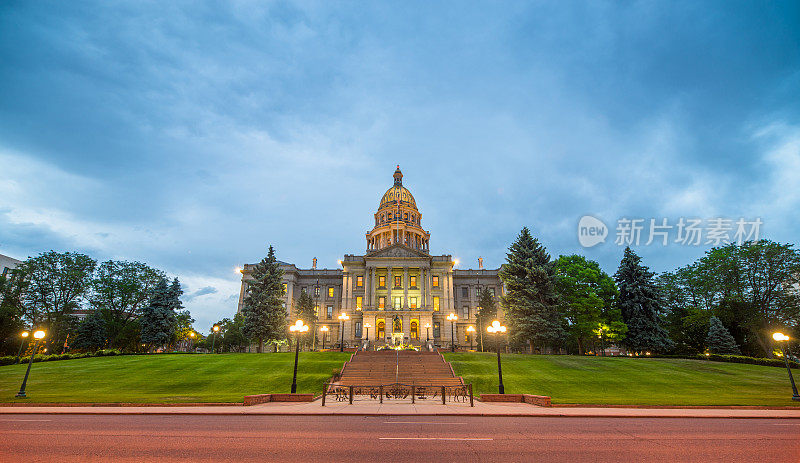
(646, 381)
(169, 378)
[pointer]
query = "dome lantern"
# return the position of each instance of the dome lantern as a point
(398, 177)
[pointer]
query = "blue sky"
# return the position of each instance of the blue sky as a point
(192, 135)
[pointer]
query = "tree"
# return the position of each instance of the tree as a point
(264, 314)
(121, 289)
(587, 295)
(91, 333)
(719, 339)
(55, 284)
(306, 310)
(158, 323)
(11, 311)
(487, 312)
(531, 301)
(639, 303)
(233, 334)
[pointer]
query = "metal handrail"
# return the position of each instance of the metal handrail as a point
(342, 392)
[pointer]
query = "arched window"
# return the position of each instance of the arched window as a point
(413, 219)
(389, 216)
(405, 216)
(381, 218)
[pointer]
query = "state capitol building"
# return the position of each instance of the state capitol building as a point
(397, 292)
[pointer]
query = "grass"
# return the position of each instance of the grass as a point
(169, 378)
(622, 380)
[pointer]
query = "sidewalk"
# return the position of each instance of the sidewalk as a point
(425, 409)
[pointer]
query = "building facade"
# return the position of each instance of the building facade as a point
(397, 292)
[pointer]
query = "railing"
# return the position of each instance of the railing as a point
(460, 393)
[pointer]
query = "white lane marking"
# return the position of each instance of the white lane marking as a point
(786, 424)
(26, 420)
(435, 438)
(423, 422)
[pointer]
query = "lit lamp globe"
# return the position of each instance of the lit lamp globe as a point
(324, 330)
(298, 328)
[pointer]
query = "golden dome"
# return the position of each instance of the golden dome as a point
(398, 193)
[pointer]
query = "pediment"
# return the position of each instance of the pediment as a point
(397, 250)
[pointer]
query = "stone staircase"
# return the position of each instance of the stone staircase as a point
(373, 368)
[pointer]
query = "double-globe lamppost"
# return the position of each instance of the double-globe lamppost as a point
(342, 318)
(298, 329)
(452, 318)
(496, 328)
(471, 331)
(324, 330)
(214, 341)
(23, 342)
(37, 335)
(786, 354)
(367, 326)
(427, 332)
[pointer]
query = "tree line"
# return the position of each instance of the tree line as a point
(131, 305)
(729, 302)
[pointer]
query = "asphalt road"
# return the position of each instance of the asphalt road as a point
(419, 439)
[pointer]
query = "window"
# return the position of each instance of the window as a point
(465, 291)
(397, 302)
(330, 292)
(413, 282)
(412, 302)
(329, 311)
(435, 303)
(465, 312)
(436, 281)
(436, 329)
(389, 216)
(382, 302)
(405, 216)
(491, 291)
(359, 281)
(382, 218)
(381, 281)
(285, 289)
(398, 281)
(359, 301)
(358, 329)
(316, 291)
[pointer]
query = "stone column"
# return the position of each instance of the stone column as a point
(389, 284)
(405, 287)
(423, 302)
(372, 301)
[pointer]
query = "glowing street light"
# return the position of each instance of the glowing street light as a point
(214, 341)
(496, 328)
(324, 330)
(427, 332)
(37, 335)
(786, 354)
(367, 326)
(298, 328)
(452, 318)
(342, 318)
(23, 342)
(470, 330)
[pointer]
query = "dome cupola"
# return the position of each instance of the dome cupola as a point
(398, 221)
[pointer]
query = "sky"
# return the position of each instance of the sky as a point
(193, 135)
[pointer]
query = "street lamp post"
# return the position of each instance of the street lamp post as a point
(470, 330)
(367, 326)
(24, 335)
(342, 317)
(191, 341)
(37, 335)
(298, 328)
(324, 330)
(214, 341)
(452, 317)
(786, 353)
(497, 328)
(427, 332)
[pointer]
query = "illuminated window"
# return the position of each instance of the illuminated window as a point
(329, 311)
(435, 303)
(359, 301)
(382, 302)
(412, 302)
(413, 282)
(316, 291)
(398, 281)
(436, 281)
(491, 291)
(436, 329)
(285, 288)
(397, 302)
(389, 216)
(359, 281)
(405, 216)
(381, 281)
(330, 291)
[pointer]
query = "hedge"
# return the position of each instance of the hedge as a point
(12, 359)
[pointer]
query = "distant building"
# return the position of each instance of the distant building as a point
(396, 287)
(8, 264)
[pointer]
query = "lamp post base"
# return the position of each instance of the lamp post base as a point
(21, 395)
(796, 398)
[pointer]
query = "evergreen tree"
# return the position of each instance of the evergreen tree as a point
(639, 304)
(264, 314)
(158, 321)
(91, 333)
(487, 312)
(719, 339)
(531, 302)
(306, 310)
